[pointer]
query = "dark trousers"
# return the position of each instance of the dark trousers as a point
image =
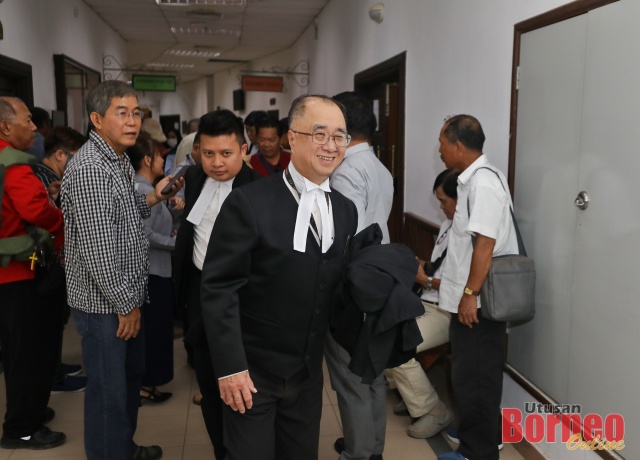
(478, 356)
(211, 404)
(284, 422)
(207, 381)
(31, 337)
(158, 329)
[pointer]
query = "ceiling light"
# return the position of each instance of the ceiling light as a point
(203, 2)
(202, 12)
(204, 30)
(193, 53)
(170, 64)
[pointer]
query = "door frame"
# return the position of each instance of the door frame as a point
(60, 61)
(393, 70)
(22, 74)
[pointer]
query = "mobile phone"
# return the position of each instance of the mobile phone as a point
(176, 177)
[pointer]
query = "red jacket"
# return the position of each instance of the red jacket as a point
(26, 200)
(259, 167)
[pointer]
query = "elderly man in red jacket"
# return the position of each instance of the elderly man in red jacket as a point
(29, 336)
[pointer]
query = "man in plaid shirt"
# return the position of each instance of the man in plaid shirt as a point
(107, 266)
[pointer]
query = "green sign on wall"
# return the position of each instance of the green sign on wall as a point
(154, 82)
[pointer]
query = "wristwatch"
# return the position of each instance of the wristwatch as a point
(429, 284)
(469, 291)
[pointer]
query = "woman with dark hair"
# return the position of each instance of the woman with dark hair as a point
(157, 315)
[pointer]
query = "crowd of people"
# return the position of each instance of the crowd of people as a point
(274, 252)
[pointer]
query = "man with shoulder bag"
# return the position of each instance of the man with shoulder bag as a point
(477, 343)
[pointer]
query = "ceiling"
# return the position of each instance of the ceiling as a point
(194, 38)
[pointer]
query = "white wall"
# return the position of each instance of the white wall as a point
(191, 100)
(459, 55)
(229, 80)
(35, 30)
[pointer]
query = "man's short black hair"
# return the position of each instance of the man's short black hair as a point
(361, 121)
(39, 117)
(254, 117)
(448, 180)
(269, 122)
(221, 122)
(62, 138)
(466, 129)
(284, 125)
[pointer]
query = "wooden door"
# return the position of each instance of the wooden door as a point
(384, 85)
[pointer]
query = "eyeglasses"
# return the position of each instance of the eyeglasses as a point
(123, 114)
(322, 137)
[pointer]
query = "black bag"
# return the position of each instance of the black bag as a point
(50, 280)
(508, 291)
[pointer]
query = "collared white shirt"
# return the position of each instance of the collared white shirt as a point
(431, 295)
(300, 182)
(368, 183)
(489, 205)
(202, 231)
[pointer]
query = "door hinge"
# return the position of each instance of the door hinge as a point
(386, 100)
(517, 78)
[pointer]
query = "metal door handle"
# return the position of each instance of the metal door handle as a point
(582, 201)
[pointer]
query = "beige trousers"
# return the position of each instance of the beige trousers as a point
(411, 381)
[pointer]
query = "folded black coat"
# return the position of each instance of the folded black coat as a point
(375, 310)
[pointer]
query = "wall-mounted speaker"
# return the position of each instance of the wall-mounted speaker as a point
(238, 99)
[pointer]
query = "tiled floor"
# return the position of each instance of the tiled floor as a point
(177, 424)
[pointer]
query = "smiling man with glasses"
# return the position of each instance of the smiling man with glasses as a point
(276, 254)
(107, 266)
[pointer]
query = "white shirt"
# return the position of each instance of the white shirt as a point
(489, 204)
(368, 183)
(431, 295)
(202, 231)
(301, 184)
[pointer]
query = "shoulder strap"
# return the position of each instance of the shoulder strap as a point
(521, 250)
(10, 157)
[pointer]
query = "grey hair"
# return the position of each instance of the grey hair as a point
(7, 112)
(299, 104)
(99, 98)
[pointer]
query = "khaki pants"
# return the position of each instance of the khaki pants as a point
(411, 381)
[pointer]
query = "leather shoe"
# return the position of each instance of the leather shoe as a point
(49, 414)
(42, 439)
(147, 453)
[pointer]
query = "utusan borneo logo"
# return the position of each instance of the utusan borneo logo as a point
(563, 423)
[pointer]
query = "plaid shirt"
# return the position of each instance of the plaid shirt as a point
(107, 258)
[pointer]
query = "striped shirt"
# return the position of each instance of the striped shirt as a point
(106, 249)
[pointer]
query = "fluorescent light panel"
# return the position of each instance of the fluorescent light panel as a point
(204, 30)
(193, 53)
(203, 2)
(171, 64)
